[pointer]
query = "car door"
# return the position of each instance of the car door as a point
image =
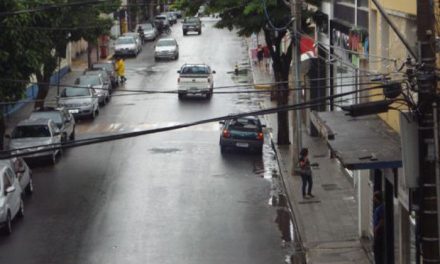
(55, 133)
(12, 198)
(69, 122)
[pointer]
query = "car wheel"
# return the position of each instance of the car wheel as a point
(7, 229)
(259, 150)
(200, 32)
(181, 96)
(208, 95)
(30, 187)
(72, 136)
(156, 59)
(53, 158)
(184, 33)
(222, 149)
(21, 210)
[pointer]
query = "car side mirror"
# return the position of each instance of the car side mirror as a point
(178, 71)
(213, 72)
(263, 125)
(10, 189)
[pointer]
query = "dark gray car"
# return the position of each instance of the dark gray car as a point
(109, 66)
(191, 24)
(242, 133)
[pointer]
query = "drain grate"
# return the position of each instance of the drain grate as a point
(330, 187)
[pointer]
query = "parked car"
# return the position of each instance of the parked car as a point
(109, 66)
(191, 24)
(22, 172)
(62, 118)
(96, 81)
(105, 78)
(150, 31)
(137, 37)
(166, 48)
(195, 79)
(80, 101)
(242, 133)
(178, 13)
(36, 135)
(125, 46)
(162, 20)
(11, 200)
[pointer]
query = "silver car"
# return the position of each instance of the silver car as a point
(137, 37)
(62, 118)
(80, 101)
(125, 46)
(11, 201)
(150, 31)
(36, 135)
(22, 172)
(166, 48)
(96, 81)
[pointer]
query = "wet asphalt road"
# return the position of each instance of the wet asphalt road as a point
(162, 198)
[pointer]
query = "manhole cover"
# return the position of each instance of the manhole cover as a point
(330, 187)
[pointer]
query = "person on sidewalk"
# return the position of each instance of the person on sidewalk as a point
(120, 69)
(260, 54)
(306, 173)
(378, 222)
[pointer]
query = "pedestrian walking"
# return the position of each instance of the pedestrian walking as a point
(378, 223)
(120, 69)
(306, 173)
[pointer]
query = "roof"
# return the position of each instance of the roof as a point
(359, 143)
(33, 122)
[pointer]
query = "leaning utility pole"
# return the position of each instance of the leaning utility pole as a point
(428, 135)
(295, 6)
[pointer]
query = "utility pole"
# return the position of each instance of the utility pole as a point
(428, 153)
(295, 6)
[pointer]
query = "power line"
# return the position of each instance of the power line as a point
(102, 139)
(53, 6)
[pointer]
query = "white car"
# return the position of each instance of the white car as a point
(80, 102)
(36, 135)
(166, 48)
(137, 37)
(23, 173)
(150, 31)
(125, 46)
(11, 201)
(195, 79)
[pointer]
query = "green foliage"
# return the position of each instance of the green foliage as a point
(30, 43)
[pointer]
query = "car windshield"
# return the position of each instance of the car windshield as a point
(245, 124)
(31, 131)
(75, 91)
(54, 115)
(147, 27)
(89, 80)
(128, 40)
(195, 70)
(96, 73)
(191, 20)
(107, 66)
(166, 42)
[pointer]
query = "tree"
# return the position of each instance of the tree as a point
(66, 24)
(18, 56)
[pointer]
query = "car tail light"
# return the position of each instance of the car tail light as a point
(226, 133)
(260, 136)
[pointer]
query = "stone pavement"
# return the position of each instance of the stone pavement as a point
(328, 223)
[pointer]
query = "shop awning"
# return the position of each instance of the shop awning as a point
(359, 143)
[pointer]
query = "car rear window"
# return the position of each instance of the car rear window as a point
(126, 40)
(166, 42)
(244, 124)
(54, 115)
(195, 70)
(75, 91)
(107, 66)
(92, 79)
(31, 131)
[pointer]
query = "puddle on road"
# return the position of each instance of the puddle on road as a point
(163, 150)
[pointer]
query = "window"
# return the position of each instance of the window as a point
(31, 131)
(74, 91)
(362, 3)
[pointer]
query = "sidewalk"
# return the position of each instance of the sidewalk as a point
(328, 223)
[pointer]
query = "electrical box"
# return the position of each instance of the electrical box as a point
(409, 140)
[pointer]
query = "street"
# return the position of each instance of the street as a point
(169, 197)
